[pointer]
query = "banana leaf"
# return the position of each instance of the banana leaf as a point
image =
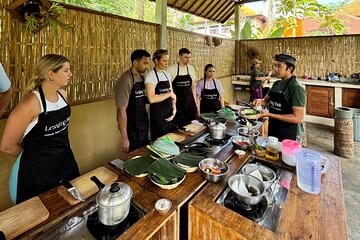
(166, 169)
(137, 166)
(188, 159)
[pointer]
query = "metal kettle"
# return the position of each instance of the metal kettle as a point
(113, 202)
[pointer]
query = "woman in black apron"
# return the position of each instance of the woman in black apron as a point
(185, 104)
(211, 99)
(37, 132)
(161, 97)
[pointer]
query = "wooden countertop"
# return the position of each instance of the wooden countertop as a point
(304, 216)
(245, 81)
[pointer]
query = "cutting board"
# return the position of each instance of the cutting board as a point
(193, 128)
(87, 187)
(22, 217)
(175, 137)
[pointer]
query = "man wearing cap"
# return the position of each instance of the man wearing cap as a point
(257, 79)
(286, 100)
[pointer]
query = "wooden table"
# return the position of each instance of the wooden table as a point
(304, 216)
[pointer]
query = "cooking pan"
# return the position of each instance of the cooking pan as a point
(199, 149)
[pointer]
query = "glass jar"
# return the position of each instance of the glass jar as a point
(272, 148)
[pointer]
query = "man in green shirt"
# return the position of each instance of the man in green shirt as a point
(286, 100)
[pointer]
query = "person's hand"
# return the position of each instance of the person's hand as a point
(264, 113)
(124, 145)
(197, 113)
(172, 116)
(258, 102)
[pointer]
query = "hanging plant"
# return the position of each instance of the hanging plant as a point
(36, 15)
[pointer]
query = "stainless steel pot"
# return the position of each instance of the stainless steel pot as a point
(267, 174)
(217, 130)
(253, 184)
(113, 202)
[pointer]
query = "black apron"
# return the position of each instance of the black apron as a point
(278, 105)
(47, 157)
(161, 110)
(209, 99)
(185, 104)
(137, 118)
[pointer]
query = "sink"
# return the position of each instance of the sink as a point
(77, 226)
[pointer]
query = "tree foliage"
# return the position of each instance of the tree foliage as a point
(139, 9)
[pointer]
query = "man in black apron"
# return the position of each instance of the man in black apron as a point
(131, 102)
(286, 98)
(184, 88)
(47, 157)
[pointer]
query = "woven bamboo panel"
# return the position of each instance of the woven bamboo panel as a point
(222, 56)
(317, 56)
(99, 48)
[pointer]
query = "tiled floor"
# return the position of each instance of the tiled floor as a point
(321, 138)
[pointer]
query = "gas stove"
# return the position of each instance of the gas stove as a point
(218, 142)
(214, 144)
(267, 212)
(86, 225)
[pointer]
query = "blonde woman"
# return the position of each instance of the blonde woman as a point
(37, 132)
(161, 96)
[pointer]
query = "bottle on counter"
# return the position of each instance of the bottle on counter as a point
(272, 148)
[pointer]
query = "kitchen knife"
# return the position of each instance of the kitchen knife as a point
(72, 190)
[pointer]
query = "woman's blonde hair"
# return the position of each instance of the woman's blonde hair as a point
(159, 53)
(49, 62)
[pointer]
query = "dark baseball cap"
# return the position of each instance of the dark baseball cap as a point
(285, 58)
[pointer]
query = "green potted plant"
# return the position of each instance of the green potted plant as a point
(37, 14)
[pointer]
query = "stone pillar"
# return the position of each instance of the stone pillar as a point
(344, 132)
(161, 18)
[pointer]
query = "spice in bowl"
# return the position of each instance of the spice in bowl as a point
(163, 205)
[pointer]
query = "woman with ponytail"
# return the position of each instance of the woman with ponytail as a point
(209, 91)
(37, 132)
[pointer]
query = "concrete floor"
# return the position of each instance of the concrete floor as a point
(321, 138)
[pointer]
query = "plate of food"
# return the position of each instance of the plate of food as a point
(165, 183)
(249, 113)
(248, 132)
(249, 123)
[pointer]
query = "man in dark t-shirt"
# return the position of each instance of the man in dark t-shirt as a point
(130, 100)
(286, 100)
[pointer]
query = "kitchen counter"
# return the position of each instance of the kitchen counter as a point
(303, 216)
(244, 80)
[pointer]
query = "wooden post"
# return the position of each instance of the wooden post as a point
(237, 37)
(161, 18)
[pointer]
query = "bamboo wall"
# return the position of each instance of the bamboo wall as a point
(316, 56)
(99, 48)
(222, 56)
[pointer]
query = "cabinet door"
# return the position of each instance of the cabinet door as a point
(320, 101)
(351, 97)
